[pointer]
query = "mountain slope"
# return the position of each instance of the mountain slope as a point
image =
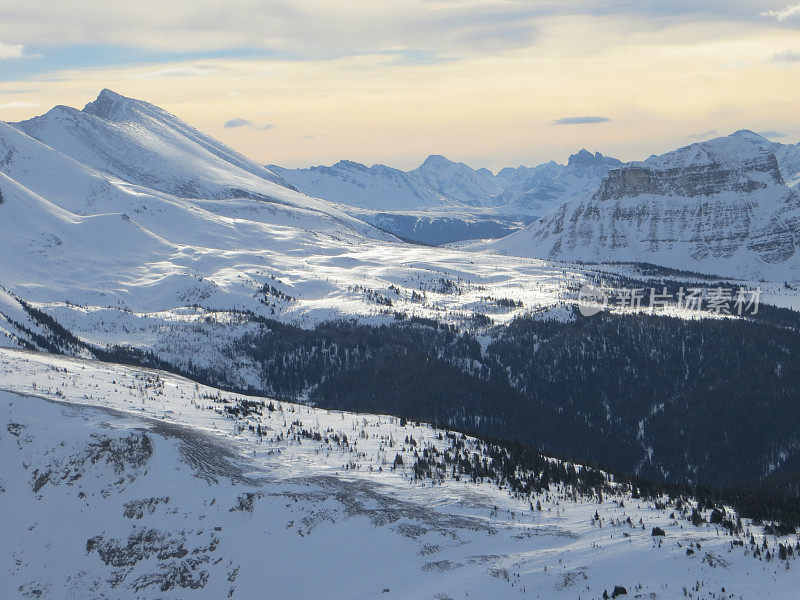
(442, 201)
(457, 181)
(719, 207)
(436, 183)
(145, 145)
(117, 260)
(439, 183)
(124, 482)
(542, 188)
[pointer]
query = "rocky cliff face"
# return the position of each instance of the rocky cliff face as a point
(707, 174)
(719, 207)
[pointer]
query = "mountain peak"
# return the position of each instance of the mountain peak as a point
(749, 135)
(350, 164)
(437, 161)
(741, 163)
(109, 105)
(112, 106)
(585, 158)
(109, 94)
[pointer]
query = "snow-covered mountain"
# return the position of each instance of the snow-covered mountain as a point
(443, 201)
(542, 188)
(441, 183)
(121, 218)
(721, 207)
(127, 482)
(129, 236)
(457, 181)
(436, 183)
(437, 203)
(145, 145)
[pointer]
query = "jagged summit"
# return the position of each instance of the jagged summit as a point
(438, 164)
(350, 164)
(437, 161)
(159, 151)
(586, 159)
(112, 106)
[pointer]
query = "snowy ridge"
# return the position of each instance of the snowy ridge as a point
(144, 144)
(441, 184)
(126, 481)
(436, 183)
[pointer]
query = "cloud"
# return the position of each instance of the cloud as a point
(413, 32)
(771, 134)
(580, 120)
(239, 122)
(11, 50)
(231, 124)
(179, 72)
(790, 12)
(787, 56)
(9, 105)
(703, 135)
(301, 29)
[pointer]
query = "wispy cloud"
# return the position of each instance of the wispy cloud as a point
(9, 105)
(703, 134)
(179, 72)
(580, 120)
(11, 50)
(787, 56)
(792, 11)
(771, 134)
(239, 122)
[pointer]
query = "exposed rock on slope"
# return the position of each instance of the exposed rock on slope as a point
(720, 207)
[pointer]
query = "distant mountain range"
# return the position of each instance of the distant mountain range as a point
(725, 206)
(444, 201)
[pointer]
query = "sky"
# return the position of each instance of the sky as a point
(492, 84)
